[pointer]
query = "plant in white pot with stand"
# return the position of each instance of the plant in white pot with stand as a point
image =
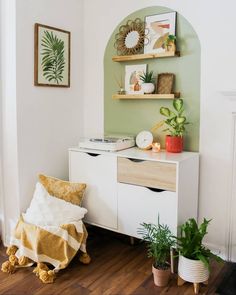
(194, 257)
(147, 86)
(159, 242)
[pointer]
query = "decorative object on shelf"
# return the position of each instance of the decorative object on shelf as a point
(144, 140)
(157, 29)
(148, 79)
(130, 38)
(132, 78)
(170, 43)
(51, 56)
(159, 242)
(121, 91)
(156, 147)
(193, 255)
(165, 83)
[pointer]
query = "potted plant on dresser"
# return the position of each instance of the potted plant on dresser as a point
(176, 122)
(159, 242)
(194, 257)
(147, 85)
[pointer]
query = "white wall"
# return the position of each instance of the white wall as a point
(46, 120)
(214, 22)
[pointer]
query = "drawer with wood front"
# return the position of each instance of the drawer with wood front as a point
(152, 174)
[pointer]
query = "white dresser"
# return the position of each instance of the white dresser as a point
(132, 186)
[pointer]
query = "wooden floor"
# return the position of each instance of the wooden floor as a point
(117, 268)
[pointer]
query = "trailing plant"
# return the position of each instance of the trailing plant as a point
(176, 121)
(53, 61)
(147, 77)
(190, 241)
(159, 241)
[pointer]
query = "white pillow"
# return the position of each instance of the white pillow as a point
(47, 210)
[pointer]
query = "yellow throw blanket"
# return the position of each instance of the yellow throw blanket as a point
(56, 245)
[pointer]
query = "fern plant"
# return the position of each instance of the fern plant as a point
(190, 241)
(159, 241)
(53, 61)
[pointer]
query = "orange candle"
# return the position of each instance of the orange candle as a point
(156, 147)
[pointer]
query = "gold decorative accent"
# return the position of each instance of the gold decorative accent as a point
(130, 38)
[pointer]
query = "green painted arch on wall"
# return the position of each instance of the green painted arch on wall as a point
(132, 116)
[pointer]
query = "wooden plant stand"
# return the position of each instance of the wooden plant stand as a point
(196, 286)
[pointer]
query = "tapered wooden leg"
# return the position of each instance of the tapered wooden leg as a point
(205, 283)
(196, 288)
(180, 281)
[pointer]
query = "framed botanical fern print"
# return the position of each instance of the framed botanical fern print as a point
(51, 56)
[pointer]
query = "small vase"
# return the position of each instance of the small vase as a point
(174, 144)
(161, 276)
(148, 88)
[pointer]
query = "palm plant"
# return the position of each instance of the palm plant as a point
(190, 241)
(53, 61)
(159, 241)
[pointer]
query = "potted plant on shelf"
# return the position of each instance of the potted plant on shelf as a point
(176, 126)
(170, 43)
(159, 241)
(147, 85)
(194, 257)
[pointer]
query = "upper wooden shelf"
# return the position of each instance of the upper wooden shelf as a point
(146, 96)
(145, 56)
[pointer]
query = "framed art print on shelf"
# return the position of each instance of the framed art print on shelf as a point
(157, 28)
(133, 83)
(51, 56)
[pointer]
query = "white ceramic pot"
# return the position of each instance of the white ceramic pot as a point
(148, 88)
(193, 271)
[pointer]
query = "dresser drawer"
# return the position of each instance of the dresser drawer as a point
(147, 173)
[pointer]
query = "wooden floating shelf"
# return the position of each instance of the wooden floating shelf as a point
(145, 56)
(146, 96)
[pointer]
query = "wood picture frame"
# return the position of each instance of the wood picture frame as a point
(165, 83)
(51, 56)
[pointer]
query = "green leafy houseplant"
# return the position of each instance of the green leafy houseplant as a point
(176, 121)
(190, 241)
(169, 39)
(147, 77)
(159, 241)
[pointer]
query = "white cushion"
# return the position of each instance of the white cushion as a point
(46, 210)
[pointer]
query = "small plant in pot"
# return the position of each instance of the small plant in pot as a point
(176, 122)
(147, 85)
(159, 241)
(194, 257)
(170, 43)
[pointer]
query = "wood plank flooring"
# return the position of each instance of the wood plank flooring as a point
(117, 268)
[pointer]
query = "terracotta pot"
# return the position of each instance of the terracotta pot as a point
(161, 277)
(193, 271)
(174, 144)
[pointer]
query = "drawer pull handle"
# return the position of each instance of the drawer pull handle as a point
(156, 190)
(92, 154)
(136, 160)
